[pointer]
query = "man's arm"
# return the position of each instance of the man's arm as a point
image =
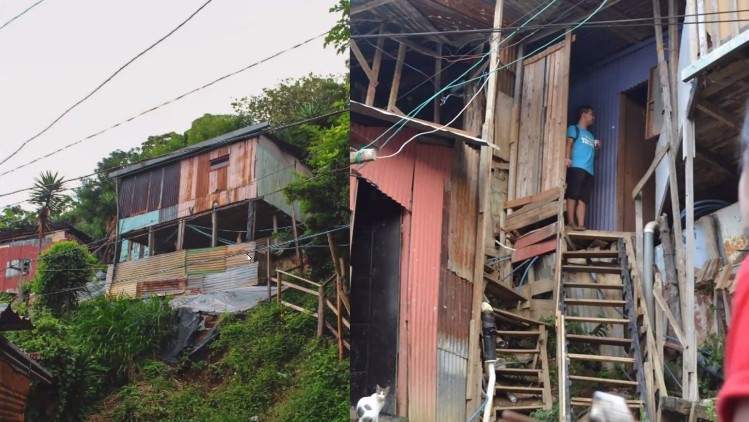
(568, 152)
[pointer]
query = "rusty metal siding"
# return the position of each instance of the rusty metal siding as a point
(432, 170)
(236, 255)
(600, 87)
(272, 175)
(168, 266)
(14, 389)
(127, 187)
(154, 189)
(452, 346)
(168, 213)
(206, 261)
(241, 160)
(162, 287)
(231, 278)
(394, 176)
(464, 207)
(140, 193)
(170, 185)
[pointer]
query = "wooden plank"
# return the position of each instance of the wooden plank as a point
(601, 286)
(518, 389)
(709, 60)
(671, 318)
(690, 349)
(597, 320)
(644, 179)
(593, 269)
(395, 85)
(362, 60)
(503, 292)
(701, 27)
(606, 236)
(591, 254)
(603, 380)
(534, 250)
(537, 287)
(547, 211)
(519, 371)
(506, 333)
(548, 400)
(529, 208)
(298, 308)
(519, 351)
(610, 341)
(598, 358)
(545, 196)
(514, 317)
(300, 288)
(595, 302)
(536, 236)
(299, 278)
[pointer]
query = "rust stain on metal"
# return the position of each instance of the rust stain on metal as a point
(464, 212)
(733, 247)
(14, 389)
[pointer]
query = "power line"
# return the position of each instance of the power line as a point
(215, 81)
(648, 21)
(105, 82)
(20, 14)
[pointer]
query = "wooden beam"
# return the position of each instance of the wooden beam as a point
(181, 235)
(214, 228)
(296, 237)
(671, 318)
(395, 86)
(536, 216)
(707, 61)
(275, 223)
(694, 50)
(362, 60)
(690, 352)
(368, 5)
(695, 96)
(701, 28)
(717, 113)
(542, 196)
(437, 82)
(515, 125)
(537, 236)
(151, 241)
(534, 250)
(251, 216)
(649, 172)
(376, 63)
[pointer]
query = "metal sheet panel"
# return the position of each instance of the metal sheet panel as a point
(241, 159)
(195, 282)
(154, 189)
(139, 221)
(128, 289)
(394, 176)
(161, 287)
(168, 213)
(14, 389)
(432, 170)
(731, 229)
(456, 295)
(206, 261)
(451, 386)
(168, 266)
(170, 185)
(236, 255)
(272, 175)
(233, 277)
(600, 88)
(464, 209)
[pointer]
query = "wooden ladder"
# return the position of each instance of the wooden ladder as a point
(571, 340)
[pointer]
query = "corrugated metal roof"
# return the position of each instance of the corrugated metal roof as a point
(10, 320)
(600, 87)
(22, 363)
(225, 139)
(432, 170)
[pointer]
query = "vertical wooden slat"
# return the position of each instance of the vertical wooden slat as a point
(734, 16)
(320, 311)
(701, 29)
(395, 86)
(690, 363)
(639, 230)
(181, 235)
(150, 241)
(515, 129)
(214, 228)
(296, 236)
(437, 81)
(714, 24)
(267, 267)
(251, 216)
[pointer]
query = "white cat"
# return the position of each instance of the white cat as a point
(368, 408)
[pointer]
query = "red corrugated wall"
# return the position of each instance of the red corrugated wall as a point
(432, 170)
(16, 252)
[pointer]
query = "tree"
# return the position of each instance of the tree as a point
(47, 195)
(294, 100)
(210, 126)
(63, 269)
(15, 217)
(339, 35)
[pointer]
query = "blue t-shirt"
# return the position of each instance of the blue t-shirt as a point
(583, 148)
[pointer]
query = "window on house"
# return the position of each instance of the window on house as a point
(12, 268)
(26, 266)
(219, 162)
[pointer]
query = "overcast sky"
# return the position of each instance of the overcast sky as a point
(61, 50)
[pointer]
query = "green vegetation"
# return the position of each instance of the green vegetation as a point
(551, 415)
(713, 350)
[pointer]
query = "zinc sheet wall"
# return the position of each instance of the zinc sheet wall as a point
(233, 277)
(236, 254)
(272, 175)
(167, 266)
(14, 388)
(206, 261)
(464, 212)
(600, 87)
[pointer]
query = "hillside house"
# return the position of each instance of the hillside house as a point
(19, 250)
(189, 221)
(669, 95)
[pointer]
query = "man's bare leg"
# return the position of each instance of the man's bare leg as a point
(571, 211)
(580, 210)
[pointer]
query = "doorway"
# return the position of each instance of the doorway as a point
(635, 154)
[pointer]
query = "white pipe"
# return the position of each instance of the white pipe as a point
(648, 262)
(490, 369)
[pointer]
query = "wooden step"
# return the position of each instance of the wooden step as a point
(512, 317)
(518, 371)
(595, 302)
(518, 389)
(603, 380)
(505, 333)
(519, 408)
(576, 285)
(630, 403)
(609, 341)
(595, 269)
(519, 351)
(597, 320)
(599, 358)
(596, 235)
(591, 254)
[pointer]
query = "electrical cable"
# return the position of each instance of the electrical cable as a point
(20, 14)
(105, 82)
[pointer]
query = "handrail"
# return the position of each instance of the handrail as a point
(299, 278)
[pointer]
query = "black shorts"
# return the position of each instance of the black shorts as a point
(579, 184)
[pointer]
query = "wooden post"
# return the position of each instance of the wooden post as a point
(278, 288)
(639, 232)
(181, 235)
(694, 50)
(296, 238)
(344, 291)
(701, 29)
(673, 42)
(275, 223)
(690, 358)
(267, 268)
(515, 128)
(151, 241)
(214, 228)
(129, 250)
(338, 314)
(437, 81)
(251, 217)
(473, 387)
(321, 311)
(397, 78)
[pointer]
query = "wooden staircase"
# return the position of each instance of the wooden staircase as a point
(580, 348)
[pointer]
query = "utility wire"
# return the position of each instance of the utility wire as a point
(215, 81)
(105, 82)
(649, 21)
(20, 14)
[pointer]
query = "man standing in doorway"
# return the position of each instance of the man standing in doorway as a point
(579, 158)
